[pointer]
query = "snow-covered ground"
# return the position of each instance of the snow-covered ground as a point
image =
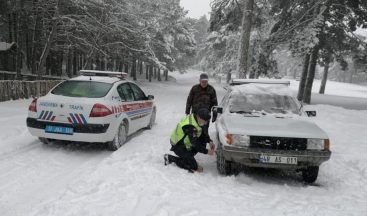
(86, 179)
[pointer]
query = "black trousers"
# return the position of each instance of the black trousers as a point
(185, 159)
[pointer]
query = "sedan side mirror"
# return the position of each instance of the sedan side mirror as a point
(217, 109)
(150, 97)
(311, 113)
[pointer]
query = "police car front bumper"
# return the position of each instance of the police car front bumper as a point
(81, 132)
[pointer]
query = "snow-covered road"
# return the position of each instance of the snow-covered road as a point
(79, 179)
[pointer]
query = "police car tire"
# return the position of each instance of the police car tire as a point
(121, 133)
(152, 119)
(44, 140)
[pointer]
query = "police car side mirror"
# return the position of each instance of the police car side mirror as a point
(217, 109)
(150, 97)
(311, 113)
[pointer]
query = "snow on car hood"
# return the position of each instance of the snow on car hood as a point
(272, 126)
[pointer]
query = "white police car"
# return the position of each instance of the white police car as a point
(97, 106)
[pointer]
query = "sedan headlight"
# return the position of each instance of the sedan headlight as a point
(318, 144)
(238, 140)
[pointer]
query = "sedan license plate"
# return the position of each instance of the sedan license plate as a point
(59, 130)
(277, 159)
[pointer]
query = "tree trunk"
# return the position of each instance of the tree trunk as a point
(166, 74)
(351, 76)
(159, 74)
(127, 66)
(10, 19)
(150, 73)
(310, 75)
(50, 38)
(69, 69)
(18, 37)
(324, 76)
(75, 63)
(147, 71)
(245, 39)
(302, 82)
(133, 69)
(140, 67)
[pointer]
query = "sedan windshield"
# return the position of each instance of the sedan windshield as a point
(268, 103)
(86, 89)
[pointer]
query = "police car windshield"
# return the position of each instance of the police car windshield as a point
(86, 89)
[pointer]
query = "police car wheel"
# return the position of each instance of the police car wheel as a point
(44, 140)
(120, 137)
(152, 120)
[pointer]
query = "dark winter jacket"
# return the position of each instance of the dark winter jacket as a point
(198, 143)
(200, 97)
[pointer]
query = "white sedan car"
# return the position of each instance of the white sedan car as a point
(97, 106)
(260, 124)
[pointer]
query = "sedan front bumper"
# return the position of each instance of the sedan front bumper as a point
(251, 157)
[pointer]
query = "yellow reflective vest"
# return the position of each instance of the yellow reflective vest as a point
(178, 133)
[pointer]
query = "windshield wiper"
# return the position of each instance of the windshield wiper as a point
(250, 112)
(282, 110)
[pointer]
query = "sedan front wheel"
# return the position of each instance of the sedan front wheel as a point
(224, 167)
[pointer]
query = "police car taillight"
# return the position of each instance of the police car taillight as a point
(33, 106)
(100, 110)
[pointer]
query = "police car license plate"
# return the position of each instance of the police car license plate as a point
(59, 129)
(278, 159)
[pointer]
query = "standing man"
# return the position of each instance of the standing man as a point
(187, 139)
(201, 95)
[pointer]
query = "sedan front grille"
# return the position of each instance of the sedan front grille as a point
(278, 143)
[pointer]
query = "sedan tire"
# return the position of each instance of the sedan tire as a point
(310, 174)
(224, 167)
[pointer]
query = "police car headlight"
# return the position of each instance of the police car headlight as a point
(238, 140)
(315, 144)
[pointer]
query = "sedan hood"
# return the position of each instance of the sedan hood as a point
(297, 127)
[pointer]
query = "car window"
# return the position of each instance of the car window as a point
(270, 103)
(138, 93)
(125, 92)
(89, 89)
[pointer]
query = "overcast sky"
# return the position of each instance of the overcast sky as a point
(196, 8)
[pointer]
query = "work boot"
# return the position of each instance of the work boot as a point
(200, 169)
(166, 159)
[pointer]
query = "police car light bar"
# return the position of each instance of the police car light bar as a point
(103, 73)
(259, 81)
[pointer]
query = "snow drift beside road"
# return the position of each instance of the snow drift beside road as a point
(134, 181)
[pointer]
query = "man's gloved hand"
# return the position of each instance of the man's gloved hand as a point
(211, 151)
(189, 130)
(211, 145)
